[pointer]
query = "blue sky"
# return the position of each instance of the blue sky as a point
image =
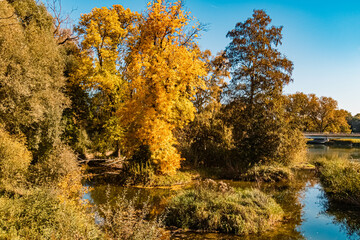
(322, 38)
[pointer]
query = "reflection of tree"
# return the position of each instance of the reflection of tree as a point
(347, 216)
(289, 197)
(156, 198)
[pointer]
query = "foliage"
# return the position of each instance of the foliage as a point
(207, 140)
(14, 161)
(40, 215)
(255, 108)
(164, 74)
(315, 114)
(31, 75)
(55, 166)
(340, 178)
(354, 122)
(99, 71)
(213, 206)
(124, 221)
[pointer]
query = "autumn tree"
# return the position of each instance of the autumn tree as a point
(297, 108)
(100, 68)
(163, 76)
(207, 140)
(326, 116)
(31, 75)
(314, 114)
(256, 102)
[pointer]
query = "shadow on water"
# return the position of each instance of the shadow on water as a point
(308, 212)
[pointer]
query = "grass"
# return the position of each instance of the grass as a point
(340, 178)
(212, 206)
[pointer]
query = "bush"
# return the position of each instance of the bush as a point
(268, 173)
(340, 178)
(14, 161)
(41, 215)
(53, 167)
(124, 221)
(213, 206)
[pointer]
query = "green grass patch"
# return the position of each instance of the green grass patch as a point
(215, 206)
(340, 178)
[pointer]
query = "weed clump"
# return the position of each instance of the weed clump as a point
(123, 220)
(340, 178)
(215, 206)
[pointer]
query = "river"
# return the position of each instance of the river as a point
(308, 212)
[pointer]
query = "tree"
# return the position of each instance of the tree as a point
(207, 140)
(354, 122)
(325, 115)
(164, 74)
(31, 75)
(314, 114)
(105, 33)
(298, 107)
(256, 102)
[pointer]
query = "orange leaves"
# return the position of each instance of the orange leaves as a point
(163, 77)
(155, 65)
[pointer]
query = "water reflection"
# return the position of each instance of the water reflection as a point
(308, 213)
(318, 221)
(322, 150)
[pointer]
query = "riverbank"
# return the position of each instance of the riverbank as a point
(307, 211)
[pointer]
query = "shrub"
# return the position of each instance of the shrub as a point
(53, 167)
(124, 221)
(340, 178)
(41, 215)
(213, 206)
(14, 161)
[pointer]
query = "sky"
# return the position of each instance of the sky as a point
(322, 38)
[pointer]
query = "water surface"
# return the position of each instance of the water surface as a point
(308, 212)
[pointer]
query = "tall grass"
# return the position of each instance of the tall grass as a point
(268, 173)
(213, 206)
(123, 220)
(340, 178)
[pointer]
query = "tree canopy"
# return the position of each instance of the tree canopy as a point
(256, 102)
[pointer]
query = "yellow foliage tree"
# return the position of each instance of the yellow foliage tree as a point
(164, 75)
(105, 33)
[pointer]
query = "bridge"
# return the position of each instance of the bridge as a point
(322, 138)
(331, 135)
